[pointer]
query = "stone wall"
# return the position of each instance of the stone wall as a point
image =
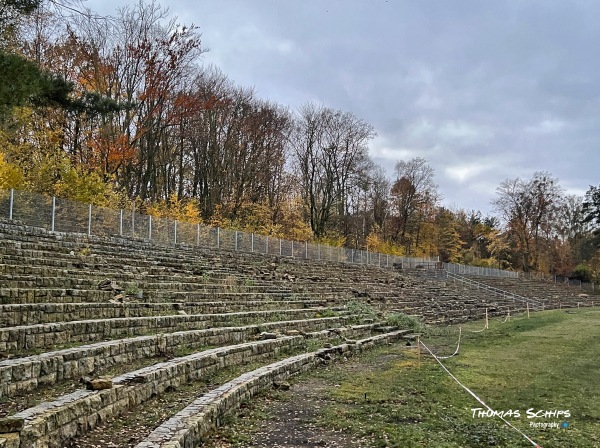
(34, 314)
(51, 423)
(49, 335)
(21, 375)
(189, 426)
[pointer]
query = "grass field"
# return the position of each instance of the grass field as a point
(392, 397)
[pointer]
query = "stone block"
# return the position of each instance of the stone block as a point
(11, 424)
(11, 440)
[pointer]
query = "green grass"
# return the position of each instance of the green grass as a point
(548, 362)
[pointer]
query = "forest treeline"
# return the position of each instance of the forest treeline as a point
(109, 111)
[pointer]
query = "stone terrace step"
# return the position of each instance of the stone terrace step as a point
(15, 296)
(552, 295)
(48, 335)
(303, 266)
(42, 313)
(189, 426)
(140, 247)
(82, 241)
(50, 424)
(22, 375)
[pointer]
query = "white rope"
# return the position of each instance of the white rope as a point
(457, 347)
(480, 400)
(485, 326)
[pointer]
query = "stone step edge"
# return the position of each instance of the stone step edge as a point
(25, 374)
(32, 307)
(36, 314)
(69, 295)
(51, 423)
(188, 427)
(19, 337)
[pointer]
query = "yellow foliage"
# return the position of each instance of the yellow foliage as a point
(218, 218)
(254, 217)
(11, 176)
(292, 225)
(183, 210)
(38, 163)
(483, 262)
(259, 218)
(86, 187)
(376, 244)
(54, 175)
(333, 238)
(594, 265)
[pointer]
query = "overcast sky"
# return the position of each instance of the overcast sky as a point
(484, 90)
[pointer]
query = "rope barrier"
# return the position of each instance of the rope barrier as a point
(480, 400)
(457, 347)
(486, 325)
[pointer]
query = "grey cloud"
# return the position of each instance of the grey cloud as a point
(483, 90)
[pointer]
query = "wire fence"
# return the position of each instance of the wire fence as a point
(462, 269)
(561, 280)
(66, 216)
(505, 295)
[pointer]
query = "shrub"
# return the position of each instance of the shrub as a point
(582, 272)
(361, 308)
(405, 321)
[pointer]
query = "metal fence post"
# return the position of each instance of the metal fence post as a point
(133, 220)
(319, 250)
(387, 260)
(292, 248)
(175, 228)
(218, 237)
(90, 220)
(12, 201)
(53, 211)
(198, 234)
(306, 250)
(379, 259)
(267, 246)
(252, 242)
(121, 224)
(352, 255)
(280, 248)
(236, 240)
(149, 227)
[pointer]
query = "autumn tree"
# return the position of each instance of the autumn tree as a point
(447, 239)
(529, 208)
(414, 197)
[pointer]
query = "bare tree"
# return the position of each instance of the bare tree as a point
(331, 153)
(380, 196)
(414, 196)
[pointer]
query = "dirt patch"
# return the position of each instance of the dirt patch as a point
(130, 428)
(20, 402)
(290, 419)
(292, 422)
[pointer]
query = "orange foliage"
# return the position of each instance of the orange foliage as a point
(110, 154)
